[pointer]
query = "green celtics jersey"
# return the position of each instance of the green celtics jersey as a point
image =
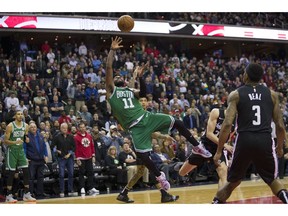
(125, 106)
(17, 132)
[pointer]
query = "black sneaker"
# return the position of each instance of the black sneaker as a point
(124, 198)
(169, 198)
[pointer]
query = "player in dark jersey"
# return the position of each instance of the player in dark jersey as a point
(257, 106)
(210, 141)
(139, 122)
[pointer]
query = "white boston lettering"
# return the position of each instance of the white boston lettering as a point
(125, 94)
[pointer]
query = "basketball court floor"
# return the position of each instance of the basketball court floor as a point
(249, 192)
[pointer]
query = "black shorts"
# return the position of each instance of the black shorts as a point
(258, 148)
(195, 159)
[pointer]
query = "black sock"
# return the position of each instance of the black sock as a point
(9, 192)
(179, 125)
(283, 195)
(145, 157)
(163, 192)
(217, 201)
(124, 191)
(26, 189)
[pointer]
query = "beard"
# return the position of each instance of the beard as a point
(119, 83)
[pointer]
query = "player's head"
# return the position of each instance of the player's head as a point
(254, 72)
(18, 115)
(144, 102)
(119, 81)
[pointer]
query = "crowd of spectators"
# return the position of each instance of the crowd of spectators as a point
(68, 86)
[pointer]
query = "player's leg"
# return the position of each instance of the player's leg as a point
(160, 176)
(279, 190)
(166, 123)
(11, 162)
(222, 170)
(165, 196)
(239, 165)
(192, 162)
(225, 192)
(123, 196)
(141, 137)
(23, 164)
(266, 163)
(198, 148)
(222, 174)
(186, 168)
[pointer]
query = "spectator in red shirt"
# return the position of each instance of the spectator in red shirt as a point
(64, 118)
(148, 49)
(45, 47)
(85, 156)
(156, 52)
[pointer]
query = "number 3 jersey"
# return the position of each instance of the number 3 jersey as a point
(255, 107)
(125, 106)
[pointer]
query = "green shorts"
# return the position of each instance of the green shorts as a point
(150, 123)
(15, 158)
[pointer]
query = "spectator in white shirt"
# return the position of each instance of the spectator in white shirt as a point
(102, 92)
(82, 49)
(73, 61)
(51, 56)
(281, 73)
(176, 100)
(12, 100)
(21, 106)
(129, 65)
(92, 75)
(176, 70)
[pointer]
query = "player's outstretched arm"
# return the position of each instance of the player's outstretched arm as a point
(115, 44)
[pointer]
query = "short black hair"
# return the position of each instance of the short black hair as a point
(254, 72)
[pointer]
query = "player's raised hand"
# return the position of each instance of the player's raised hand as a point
(116, 43)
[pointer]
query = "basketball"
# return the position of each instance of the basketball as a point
(125, 23)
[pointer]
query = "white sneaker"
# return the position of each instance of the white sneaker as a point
(201, 150)
(93, 191)
(62, 195)
(254, 176)
(72, 194)
(28, 198)
(83, 191)
(10, 199)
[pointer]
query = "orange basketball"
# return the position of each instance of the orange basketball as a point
(125, 23)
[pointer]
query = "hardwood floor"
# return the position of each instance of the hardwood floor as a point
(188, 195)
(148, 203)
